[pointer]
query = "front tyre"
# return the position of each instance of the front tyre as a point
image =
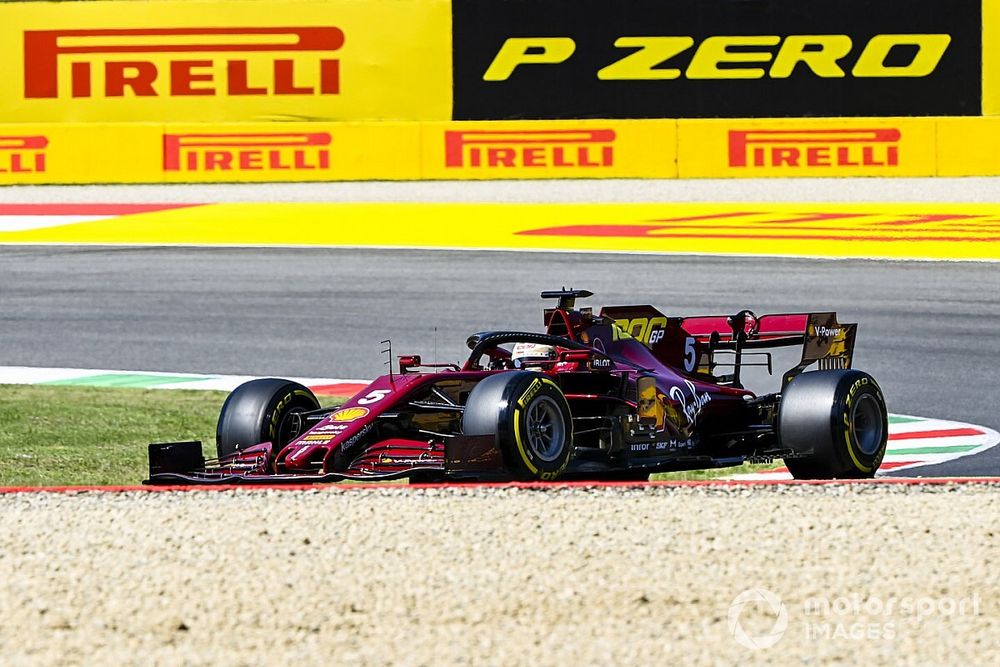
(837, 420)
(530, 418)
(264, 410)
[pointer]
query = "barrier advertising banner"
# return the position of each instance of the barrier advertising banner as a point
(694, 148)
(991, 58)
(817, 147)
(550, 149)
(968, 147)
(71, 153)
(218, 61)
(726, 58)
(225, 153)
(270, 152)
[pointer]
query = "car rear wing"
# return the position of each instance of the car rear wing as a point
(825, 342)
(695, 344)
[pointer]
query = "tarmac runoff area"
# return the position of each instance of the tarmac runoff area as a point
(836, 573)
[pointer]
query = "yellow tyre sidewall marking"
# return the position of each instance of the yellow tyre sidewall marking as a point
(849, 424)
(522, 402)
(285, 400)
(520, 444)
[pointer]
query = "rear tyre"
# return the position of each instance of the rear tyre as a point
(837, 420)
(530, 418)
(264, 410)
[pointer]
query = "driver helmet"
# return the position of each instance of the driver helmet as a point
(532, 353)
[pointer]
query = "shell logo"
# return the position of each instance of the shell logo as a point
(348, 414)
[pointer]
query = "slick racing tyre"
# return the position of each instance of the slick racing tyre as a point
(530, 418)
(837, 420)
(264, 410)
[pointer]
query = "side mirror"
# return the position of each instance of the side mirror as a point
(406, 362)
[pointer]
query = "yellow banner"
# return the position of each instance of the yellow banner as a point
(228, 153)
(968, 146)
(262, 152)
(288, 152)
(816, 229)
(275, 152)
(549, 149)
(991, 58)
(182, 61)
(754, 148)
(78, 153)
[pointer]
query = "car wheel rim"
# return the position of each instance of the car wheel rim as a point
(867, 424)
(545, 429)
(290, 426)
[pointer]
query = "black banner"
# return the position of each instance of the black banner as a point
(716, 58)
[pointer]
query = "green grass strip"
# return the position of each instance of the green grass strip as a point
(52, 436)
(122, 380)
(65, 435)
(898, 419)
(932, 450)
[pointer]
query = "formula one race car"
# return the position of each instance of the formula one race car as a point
(618, 395)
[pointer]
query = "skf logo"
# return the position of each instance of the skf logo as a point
(530, 148)
(148, 62)
(22, 155)
(814, 148)
(291, 151)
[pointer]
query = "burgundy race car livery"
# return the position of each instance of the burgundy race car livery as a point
(618, 395)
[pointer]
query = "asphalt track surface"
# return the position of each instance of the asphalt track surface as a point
(928, 330)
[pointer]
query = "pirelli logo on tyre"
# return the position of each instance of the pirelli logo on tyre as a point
(225, 61)
(554, 59)
(22, 154)
(500, 149)
(265, 151)
(814, 148)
